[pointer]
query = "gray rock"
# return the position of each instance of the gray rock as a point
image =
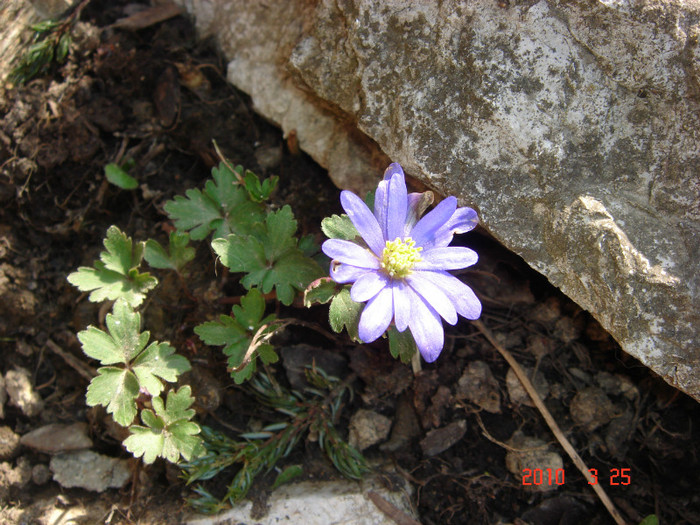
(572, 127)
(91, 471)
(58, 438)
(19, 388)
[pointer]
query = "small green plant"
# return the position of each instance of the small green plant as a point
(169, 432)
(237, 333)
(51, 43)
(140, 369)
(315, 410)
(119, 176)
(223, 207)
(136, 380)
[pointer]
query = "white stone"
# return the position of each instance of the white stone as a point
(318, 503)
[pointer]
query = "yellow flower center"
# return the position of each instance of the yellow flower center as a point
(400, 256)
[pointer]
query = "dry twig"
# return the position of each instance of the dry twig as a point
(79, 366)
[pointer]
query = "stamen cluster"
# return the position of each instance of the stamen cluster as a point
(400, 256)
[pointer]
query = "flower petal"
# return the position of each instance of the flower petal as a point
(348, 252)
(391, 203)
(393, 168)
(398, 207)
(346, 273)
(367, 286)
(363, 219)
(460, 295)
(402, 304)
(376, 316)
(424, 232)
(463, 220)
(447, 258)
(426, 327)
(434, 296)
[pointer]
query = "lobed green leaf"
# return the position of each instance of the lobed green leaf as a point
(223, 207)
(116, 389)
(270, 258)
(116, 274)
(168, 433)
(178, 255)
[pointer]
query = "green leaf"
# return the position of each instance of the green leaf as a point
(63, 47)
(45, 26)
(402, 345)
(281, 227)
(652, 519)
(258, 192)
(168, 433)
(158, 360)
(345, 313)
(320, 291)
(251, 310)
(236, 334)
(308, 246)
(117, 387)
(240, 253)
(116, 274)
(288, 474)
(223, 207)
(117, 176)
(271, 258)
(339, 227)
(179, 252)
(123, 341)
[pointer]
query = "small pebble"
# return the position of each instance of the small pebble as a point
(566, 330)
(529, 454)
(91, 471)
(41, 474)
(57, 438)
(439, 440)
(591, 408)
(518, 394)
(9, 443)
(21, 391)
(478, 385)
(368, 428)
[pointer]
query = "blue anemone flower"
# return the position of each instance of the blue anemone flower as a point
(400, 266)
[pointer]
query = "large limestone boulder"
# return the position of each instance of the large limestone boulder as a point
(573, 127)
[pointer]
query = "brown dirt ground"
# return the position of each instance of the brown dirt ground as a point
(158, 95)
